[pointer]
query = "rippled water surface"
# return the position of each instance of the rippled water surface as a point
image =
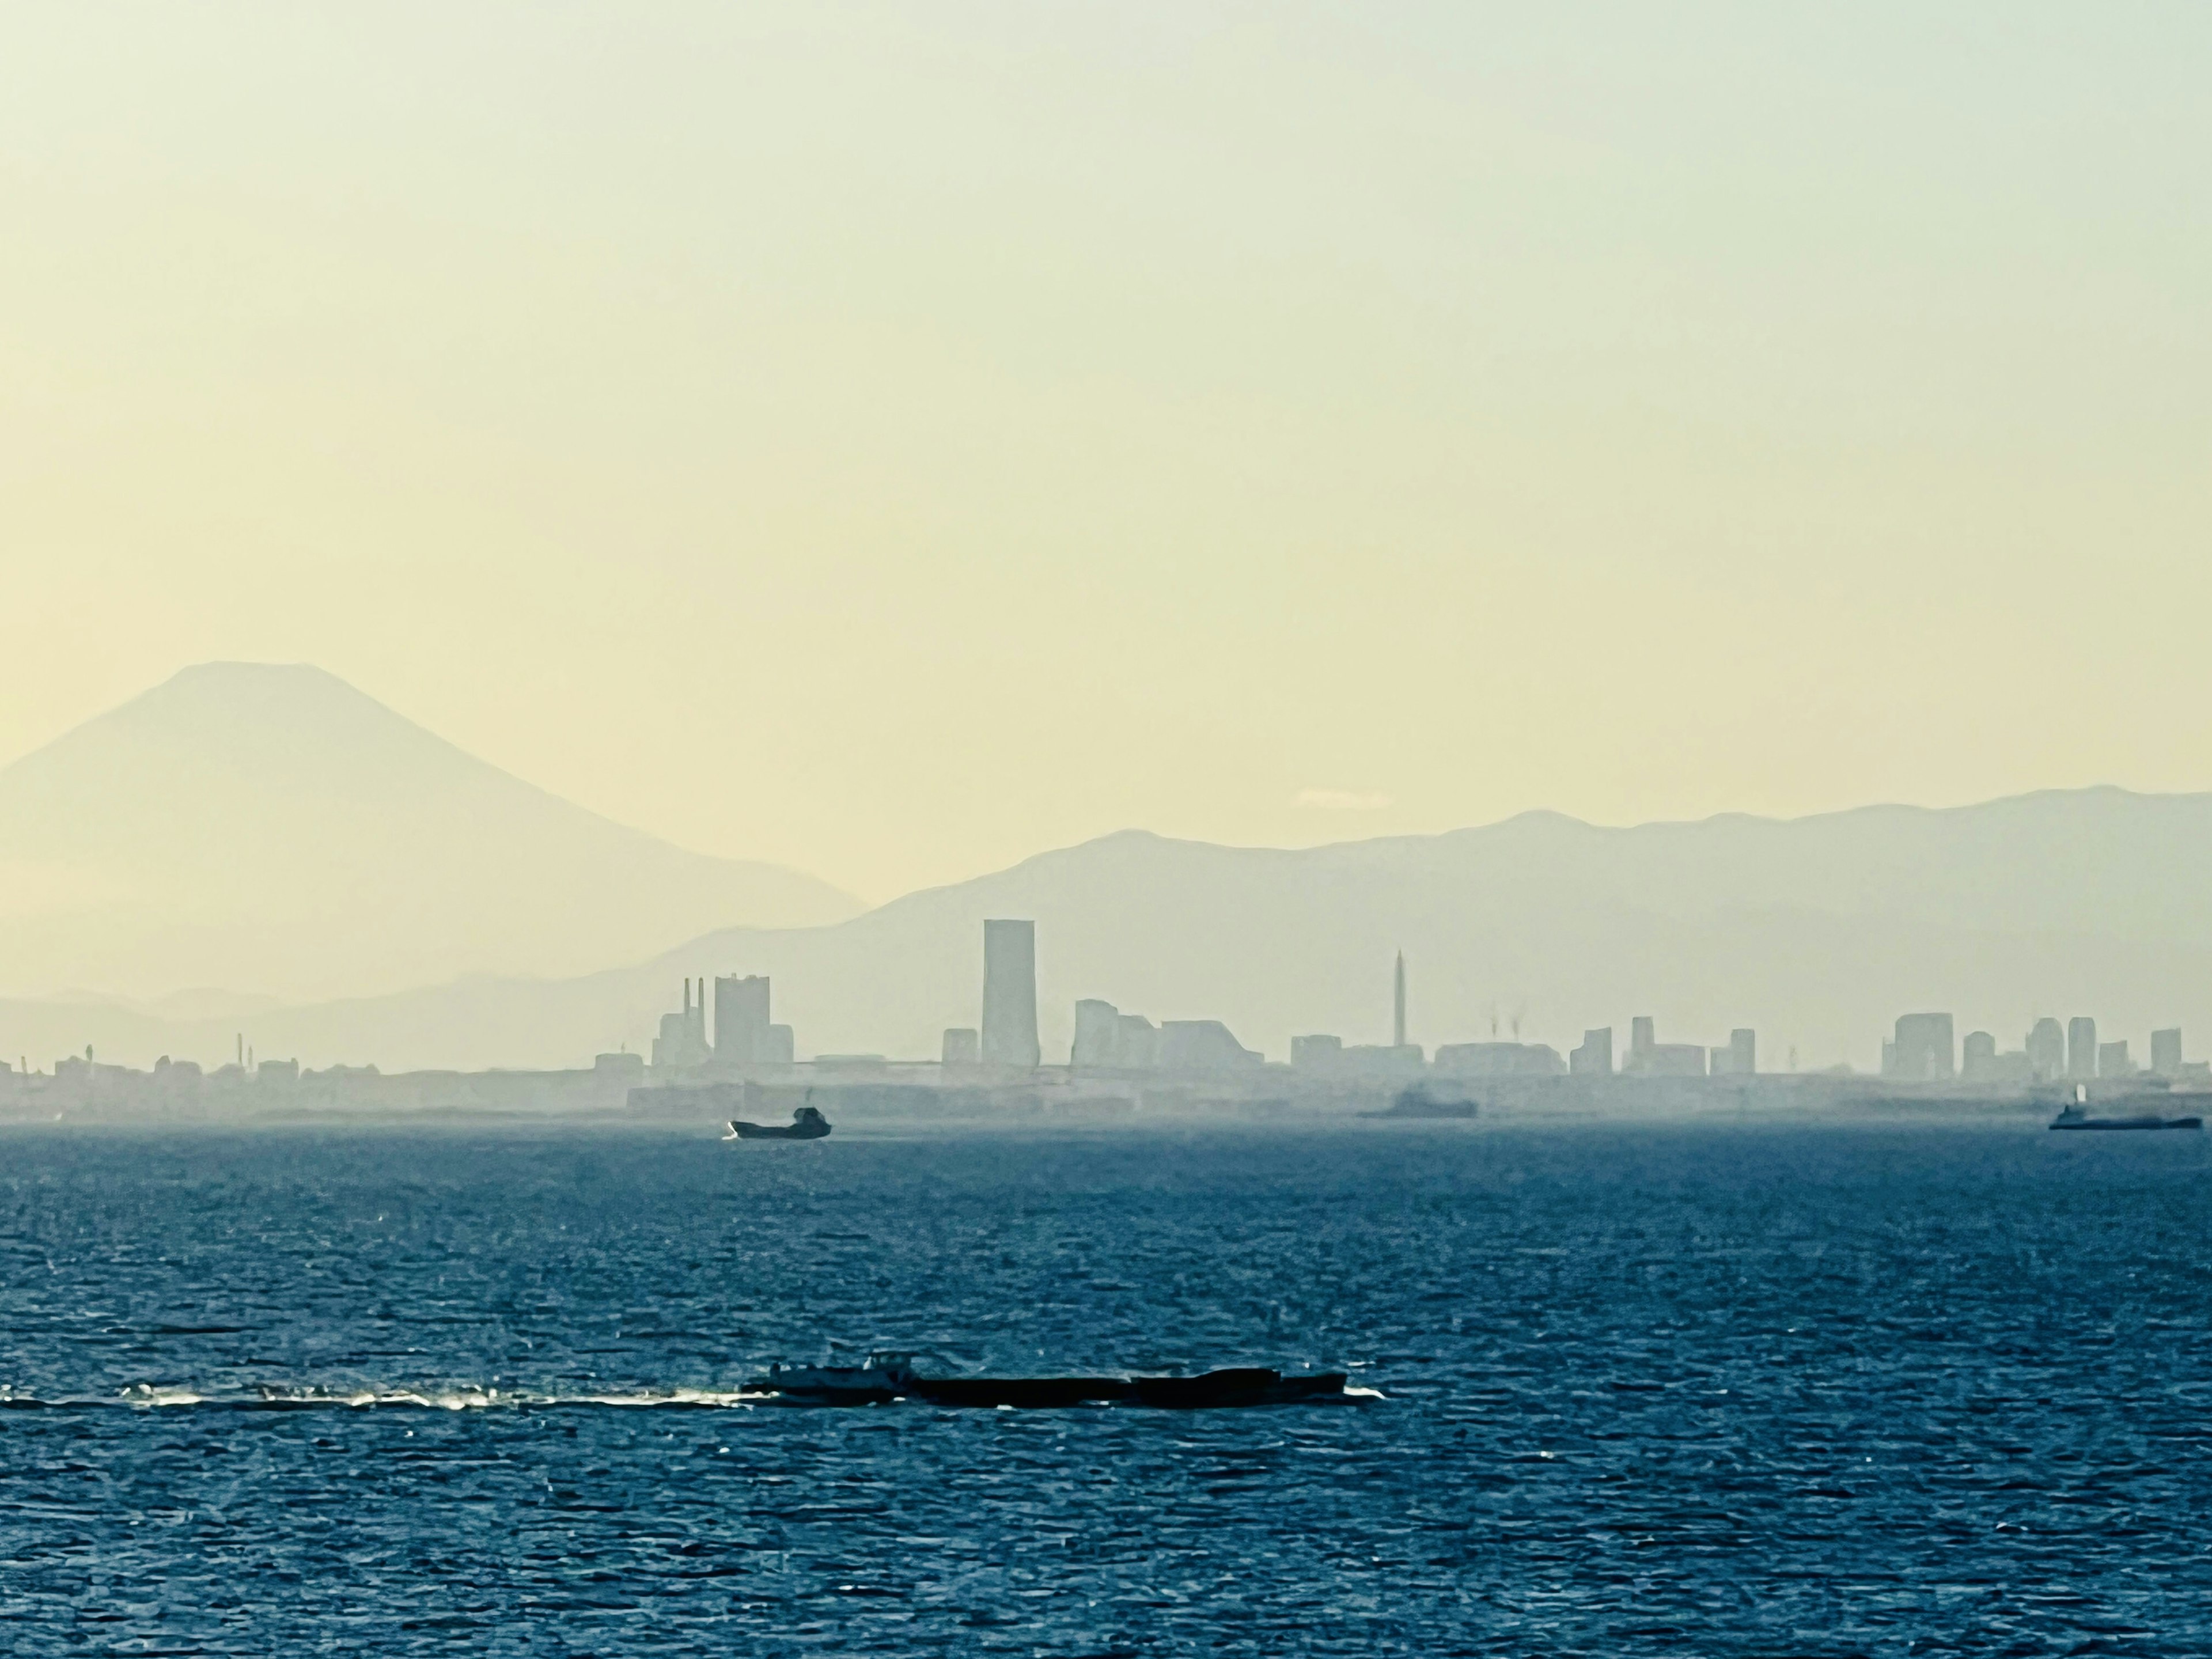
(1713, 1389)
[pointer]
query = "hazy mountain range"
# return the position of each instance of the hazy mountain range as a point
(273, 831)
(1816, 931)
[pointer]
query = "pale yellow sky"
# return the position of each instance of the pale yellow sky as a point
(896, 440)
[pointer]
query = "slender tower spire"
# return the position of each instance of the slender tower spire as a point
(1398, 1003)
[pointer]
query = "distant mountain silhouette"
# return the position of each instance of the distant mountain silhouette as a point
(271, 830)
(1818, 932)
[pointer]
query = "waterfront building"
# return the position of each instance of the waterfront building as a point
(1105, 1037)
(683, 1039)
(2165, 1052)
(1675, 1060)
(2082, 1049)
(2046, 1050)
(2114, 1060)
(1594, 1057)
(1203, 1045)
(1649, 1057)
(1009, 1017)
(1098, 1034)
(1141, 1043)
(1924, 1050)
(1329, 1056)
(961, 1047)
(1740, 1057)
(741, 1019)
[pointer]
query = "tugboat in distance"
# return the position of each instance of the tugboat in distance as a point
(2076, 1116)
(1421, 1102)
(878, 1380)
(806, 1123)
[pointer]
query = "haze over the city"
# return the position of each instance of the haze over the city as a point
(888, 443)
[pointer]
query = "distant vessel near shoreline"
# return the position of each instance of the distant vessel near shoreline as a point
(806, 1123)
(2076, 1116)
(1418, 1101)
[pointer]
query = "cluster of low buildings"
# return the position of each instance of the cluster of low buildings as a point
(1924, 1050)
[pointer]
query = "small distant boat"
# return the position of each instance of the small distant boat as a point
(1418, 1101)
(877, 1381)
(806, 1123)
(2076, 1116)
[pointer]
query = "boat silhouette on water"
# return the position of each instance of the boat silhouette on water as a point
(2076, 1116)
(1422, 1102)
(806, 1123)
(884, 1378)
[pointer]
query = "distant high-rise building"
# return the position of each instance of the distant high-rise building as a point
(1318, 1053)
(961, 1047)
(2082, 1049)
(1009, 1017)
(1098, 1034)
(1642, 1039)
(2046, 1050)
(1924, 1051)
(1398, 1003)
(2165, 1052)
(1977, 1057)
(1107, 1037)
(1594, 1057)
(741, 1019)
(2114, 1060)
(1740, 1057)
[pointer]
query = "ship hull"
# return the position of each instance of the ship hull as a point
(2125, 1125)
(744, 1131)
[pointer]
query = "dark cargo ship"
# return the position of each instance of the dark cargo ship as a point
(806, 1123)
(885, 1377)
(2076, 1116)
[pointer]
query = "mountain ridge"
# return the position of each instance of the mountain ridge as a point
(269, 827)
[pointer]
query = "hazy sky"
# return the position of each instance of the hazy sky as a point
(896, 440)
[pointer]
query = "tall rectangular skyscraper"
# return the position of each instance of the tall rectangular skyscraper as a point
(2081, 1048)
(2165, 1052)
(741, 1019)
(2046, 1051)
(1924, 1051)
(1010, 1016)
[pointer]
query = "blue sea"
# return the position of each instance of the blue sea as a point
(1689, 1389)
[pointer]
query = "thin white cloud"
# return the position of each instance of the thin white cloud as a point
(1343, 800)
